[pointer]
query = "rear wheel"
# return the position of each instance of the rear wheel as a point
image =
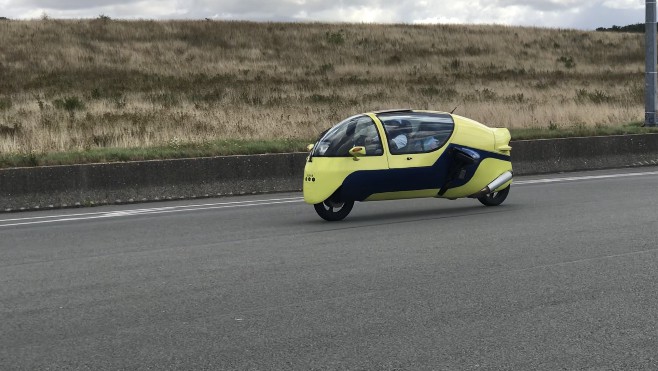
(494, 198)
(333, 211)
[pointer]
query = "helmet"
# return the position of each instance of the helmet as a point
(398, 126)
(395, 123)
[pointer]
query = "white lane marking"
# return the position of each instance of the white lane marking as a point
(133, 211)
(263, 202)
(576, 178)
(116, 214)
(586, 260)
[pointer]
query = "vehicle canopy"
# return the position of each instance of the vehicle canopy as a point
(406, 131)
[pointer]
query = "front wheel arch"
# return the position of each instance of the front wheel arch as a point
(333, 211)
(334, 208)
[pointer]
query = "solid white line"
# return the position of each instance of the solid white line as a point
(153, 209)
(116, 214)
(576, 178)
(246, 203)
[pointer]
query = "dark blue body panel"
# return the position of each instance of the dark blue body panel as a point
(362, 184)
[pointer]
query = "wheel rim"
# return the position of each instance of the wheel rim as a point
(331, 205)
(492, 196)
(334, 205)
(333, 210)
(495, 198)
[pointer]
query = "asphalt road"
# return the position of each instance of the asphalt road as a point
(563, 275)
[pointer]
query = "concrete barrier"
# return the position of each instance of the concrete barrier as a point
(141, 181)
(587, 153)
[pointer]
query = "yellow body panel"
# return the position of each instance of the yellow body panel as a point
(472, 134)
(324, 175)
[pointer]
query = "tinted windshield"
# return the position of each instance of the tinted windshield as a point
(354, 131)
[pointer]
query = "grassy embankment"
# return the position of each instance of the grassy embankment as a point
(106, 90)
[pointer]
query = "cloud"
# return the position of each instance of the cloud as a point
(587, 14)
(624, 4)
(67, 4)
(541, 5)
(603, 16)
(89, 9)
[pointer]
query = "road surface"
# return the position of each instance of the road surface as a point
(563, 275)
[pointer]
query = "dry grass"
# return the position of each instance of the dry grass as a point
(85, 84)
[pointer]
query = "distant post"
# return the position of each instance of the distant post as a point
(650, 76)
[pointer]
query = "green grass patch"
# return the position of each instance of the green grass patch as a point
(554, 131)
(173, 150)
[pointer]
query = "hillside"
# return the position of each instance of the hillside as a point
(83, 84)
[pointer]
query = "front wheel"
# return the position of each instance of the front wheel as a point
(494, 198)
(333, 211)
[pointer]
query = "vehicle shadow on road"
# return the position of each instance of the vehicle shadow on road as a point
(364, 218)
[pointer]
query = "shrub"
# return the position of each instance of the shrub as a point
(445, 93)
(11, 131)
(5, 103)
(102, 140)
(474, 51)
(40, 102)
(337, 38)
(567, 61)
(327, 67)
(319, 98)
(69, 104)
(253, 99)
(516, 98)
(596, 97)
(394, 59)
(166, 99)
(455, 64)
(96, 93)
(487, 94)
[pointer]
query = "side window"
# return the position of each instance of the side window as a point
(398, 131)
(355, 131)
(416, 132)
(366, 135)
(431, 135)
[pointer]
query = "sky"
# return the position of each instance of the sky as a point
(580, 14)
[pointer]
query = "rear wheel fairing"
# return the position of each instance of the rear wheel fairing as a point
(488, 170)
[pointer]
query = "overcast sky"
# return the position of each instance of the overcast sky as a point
(582, 14)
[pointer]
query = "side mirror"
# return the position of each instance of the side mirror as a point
(310, 147)
(357, 152)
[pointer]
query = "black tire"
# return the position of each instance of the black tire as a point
(495, 198)
(333, 211)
